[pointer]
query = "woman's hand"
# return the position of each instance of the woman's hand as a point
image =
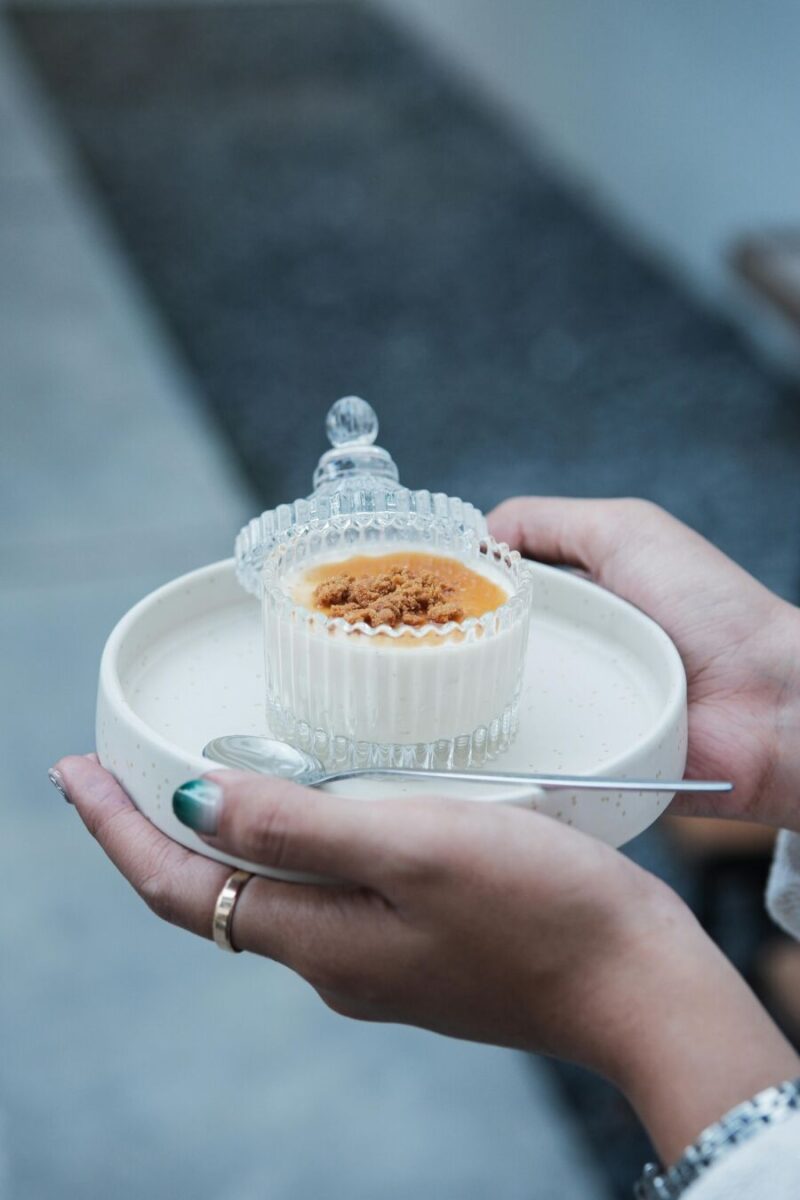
(475, 920)
(740, 644)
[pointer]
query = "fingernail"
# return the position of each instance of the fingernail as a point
(197, 804)
(57, 780)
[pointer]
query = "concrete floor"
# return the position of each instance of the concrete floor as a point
(137, 1061)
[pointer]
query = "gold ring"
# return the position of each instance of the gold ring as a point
(223, 909)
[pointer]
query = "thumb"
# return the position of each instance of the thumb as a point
(293, 828)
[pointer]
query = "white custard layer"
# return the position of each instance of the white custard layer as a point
(404, 690)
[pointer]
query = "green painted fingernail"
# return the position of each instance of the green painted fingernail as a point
(197, 804)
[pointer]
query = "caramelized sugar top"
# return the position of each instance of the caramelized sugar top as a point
(403, 588)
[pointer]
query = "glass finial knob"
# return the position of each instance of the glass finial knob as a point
(351, 421)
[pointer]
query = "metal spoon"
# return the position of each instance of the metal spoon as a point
(270, 757)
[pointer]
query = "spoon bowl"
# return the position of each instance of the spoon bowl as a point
(266, 755)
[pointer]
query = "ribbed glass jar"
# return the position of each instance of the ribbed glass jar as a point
(443, 695)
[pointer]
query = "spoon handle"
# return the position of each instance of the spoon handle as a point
(252, 753)
(520, 779)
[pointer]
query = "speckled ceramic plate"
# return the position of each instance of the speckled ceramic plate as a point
(604, 693)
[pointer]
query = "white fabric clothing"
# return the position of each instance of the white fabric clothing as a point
(783, 888)
(765, 1168)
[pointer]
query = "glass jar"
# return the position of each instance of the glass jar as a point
(441, 694)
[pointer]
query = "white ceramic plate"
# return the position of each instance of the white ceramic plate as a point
(604, 693)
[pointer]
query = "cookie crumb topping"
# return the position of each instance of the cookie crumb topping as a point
(401, 596)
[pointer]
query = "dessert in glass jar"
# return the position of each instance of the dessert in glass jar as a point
(395, 628)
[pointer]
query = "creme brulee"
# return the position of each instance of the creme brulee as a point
(395, 649)
(403, 588)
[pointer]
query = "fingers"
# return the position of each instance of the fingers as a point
(328, 935)
(181, 887)
(635, 549)
(284, 826)
(579, 533)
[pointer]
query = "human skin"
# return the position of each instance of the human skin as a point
(476, 921)
(490, 923)
(740, 643)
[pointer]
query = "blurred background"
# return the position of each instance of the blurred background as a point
(557, 246)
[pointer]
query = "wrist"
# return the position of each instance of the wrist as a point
(694, 1041)
(765, 1110)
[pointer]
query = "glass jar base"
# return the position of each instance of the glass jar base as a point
(448, 754)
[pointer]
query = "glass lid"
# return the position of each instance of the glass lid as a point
(354, 477)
